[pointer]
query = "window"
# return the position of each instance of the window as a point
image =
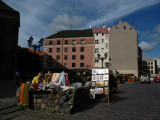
(151, 71)
(65, 64)
(82, 41)
(106, 45)
(102, 50)
(151, 67)
(65, 49)
(73, 64)
(151, 63)
(102, 40)
(65, 57)
(96, 60)
(96, 50)
(82, 57)
(82, 49)
(66, 41)
(74, 42)
(96, 41)
(124, 27)
(58, 57)
(58, 49)
(73, 49)
(81, 64)
(73, 57)
(50, 50)
(148, 63)
(102, 33)
(50, 42)
(58, 42)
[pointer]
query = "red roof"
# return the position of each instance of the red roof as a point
(100, 30)
(40, 53)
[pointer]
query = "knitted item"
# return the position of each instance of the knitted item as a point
(24, 96)
(21, 95)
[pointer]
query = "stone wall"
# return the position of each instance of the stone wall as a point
(64, 102)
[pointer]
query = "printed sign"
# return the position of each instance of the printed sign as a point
(92, 93)
(100, 77)
(99, 91)
(100, 84)
(106, 90)
(100, 71)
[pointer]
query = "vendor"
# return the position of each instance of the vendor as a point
(38, 79)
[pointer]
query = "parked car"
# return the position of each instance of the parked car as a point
(157, 78)
(151, 79)
(144, 79)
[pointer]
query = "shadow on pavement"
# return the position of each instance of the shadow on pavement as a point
(7, 89)
(92, 103)
(121, 92)
(116, 99)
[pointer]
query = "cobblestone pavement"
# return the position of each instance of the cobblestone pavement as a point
(134, 101)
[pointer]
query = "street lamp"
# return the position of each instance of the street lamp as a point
(40, 43)
(30, 44)
(107, 64)
(102, 58)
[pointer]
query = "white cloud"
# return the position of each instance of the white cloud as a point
(39, 15)
(156, 34)
(147, 46)
(63, 22)
(120, 8)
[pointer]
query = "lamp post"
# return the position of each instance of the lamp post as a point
(40, 43)
(102, 58)
(30, 44)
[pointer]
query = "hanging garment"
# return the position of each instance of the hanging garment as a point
(53, 77)
(62, 80)
(67, 80)
(26, 94)
(40, 85)
(21, 94)
(57, 77)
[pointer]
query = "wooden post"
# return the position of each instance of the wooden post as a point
(108, 92)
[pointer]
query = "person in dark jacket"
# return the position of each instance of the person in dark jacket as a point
(111, 83)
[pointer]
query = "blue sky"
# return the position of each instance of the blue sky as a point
(41, 18)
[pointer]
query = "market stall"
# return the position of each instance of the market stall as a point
(54, 94)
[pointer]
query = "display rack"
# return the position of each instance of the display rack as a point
(100, 82)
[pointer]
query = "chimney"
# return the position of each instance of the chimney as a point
(120, 21)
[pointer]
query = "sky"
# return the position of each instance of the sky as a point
(42, 18)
